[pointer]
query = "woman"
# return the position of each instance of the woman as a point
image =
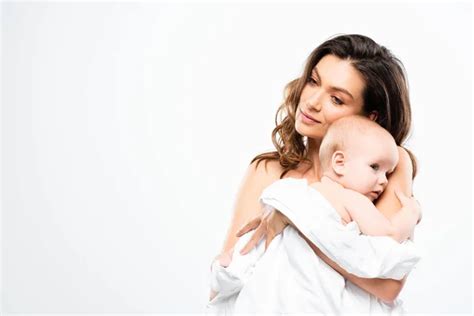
(348, 74)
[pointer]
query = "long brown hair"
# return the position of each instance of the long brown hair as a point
(386, 92)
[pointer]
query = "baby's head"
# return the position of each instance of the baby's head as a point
(358, 153)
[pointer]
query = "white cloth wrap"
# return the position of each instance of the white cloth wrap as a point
(289, 277)
(364, 256)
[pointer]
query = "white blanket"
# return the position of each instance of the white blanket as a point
(289, 277)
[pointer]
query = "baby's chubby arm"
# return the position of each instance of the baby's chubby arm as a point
(373, 223)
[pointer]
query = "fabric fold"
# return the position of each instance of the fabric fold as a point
(361, 255)
(289, 278)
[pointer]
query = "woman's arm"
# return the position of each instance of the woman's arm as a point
(247, 205)
(388, 204)
(385, 289)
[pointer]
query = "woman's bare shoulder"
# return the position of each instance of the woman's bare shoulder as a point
(399, 180)
(247, 205)
(401, 176)
(404, 158)
(404, 170)
(264, 172)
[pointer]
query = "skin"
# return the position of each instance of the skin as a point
(363, 167)
(357, 175)
(353, 206)
(322, 99)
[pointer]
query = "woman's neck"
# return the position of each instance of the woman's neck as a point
(313, 155)
(313, 147)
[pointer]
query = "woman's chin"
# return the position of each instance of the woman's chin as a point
(309, 132)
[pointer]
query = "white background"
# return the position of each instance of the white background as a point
(127, 128)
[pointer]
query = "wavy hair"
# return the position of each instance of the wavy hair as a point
(386, 92)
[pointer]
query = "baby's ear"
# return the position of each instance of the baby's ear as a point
(337, 162)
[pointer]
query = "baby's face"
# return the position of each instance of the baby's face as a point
(368, 163)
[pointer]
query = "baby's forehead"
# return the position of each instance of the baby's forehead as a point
(375, 136)
(385, 157)
(377, 149)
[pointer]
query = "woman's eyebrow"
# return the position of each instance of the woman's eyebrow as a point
(343, 91)
(315, 72)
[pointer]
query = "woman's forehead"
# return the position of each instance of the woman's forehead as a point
(339, 73)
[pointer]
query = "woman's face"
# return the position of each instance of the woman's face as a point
(333, 91)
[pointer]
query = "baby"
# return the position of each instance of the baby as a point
(356, 156)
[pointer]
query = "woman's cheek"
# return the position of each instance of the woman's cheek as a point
(334, 113)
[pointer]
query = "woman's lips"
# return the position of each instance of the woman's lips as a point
(308, 119)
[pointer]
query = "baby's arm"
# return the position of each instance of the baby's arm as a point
(371, 222)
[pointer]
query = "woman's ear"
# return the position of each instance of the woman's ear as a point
(337, 162)
(373, 116)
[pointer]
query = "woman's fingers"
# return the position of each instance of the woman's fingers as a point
(402, 197)
(409, 203)
(419, 210)
(276, 222)
(406, 201)
(257, 235)
(269, 237)
(249, 226)
(271, 223)
(419, 218)
(225, 259)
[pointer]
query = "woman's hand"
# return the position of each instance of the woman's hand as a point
(410, 203)
(224, 258)
(269, 224)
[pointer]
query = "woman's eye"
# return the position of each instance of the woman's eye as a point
(312, 81)
(375, 167)
(336, 100)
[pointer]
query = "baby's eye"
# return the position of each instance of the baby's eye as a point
(336, 100)
(374, 166)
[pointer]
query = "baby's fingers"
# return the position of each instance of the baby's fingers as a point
(257, 235)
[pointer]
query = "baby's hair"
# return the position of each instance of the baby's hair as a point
(342, 131)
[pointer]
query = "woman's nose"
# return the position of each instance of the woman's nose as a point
(314, 100)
